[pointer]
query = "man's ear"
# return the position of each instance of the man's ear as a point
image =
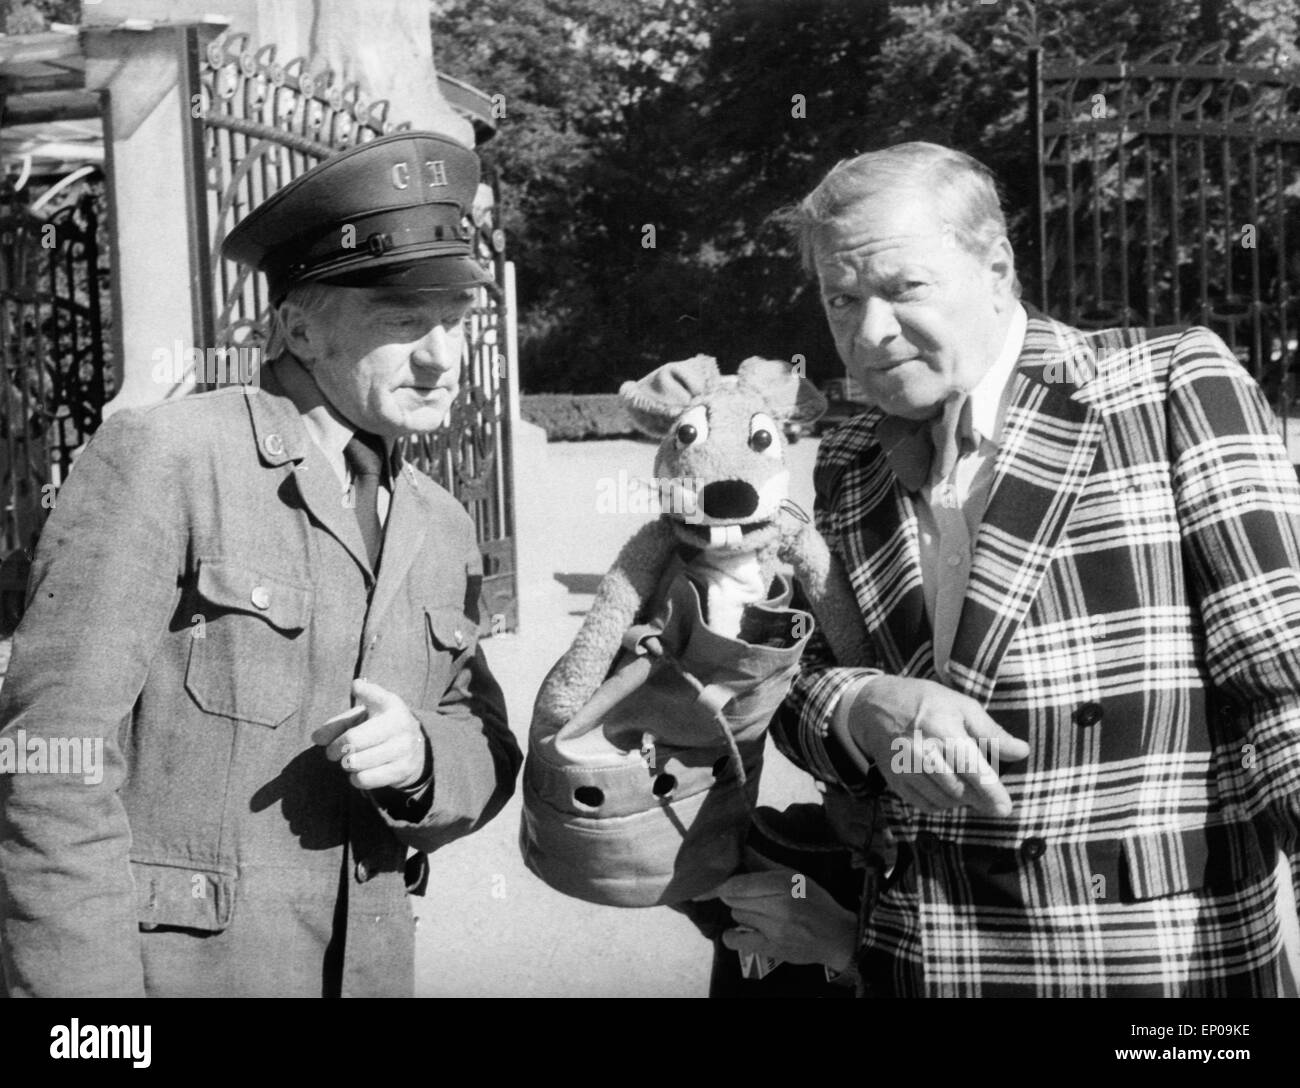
(1001, 265)
(661, 396)
(791, 396)
(301, 332)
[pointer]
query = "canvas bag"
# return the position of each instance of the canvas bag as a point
(635, 801)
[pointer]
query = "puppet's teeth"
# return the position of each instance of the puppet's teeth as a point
(726, 536)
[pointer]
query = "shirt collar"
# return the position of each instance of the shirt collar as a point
(988, 398)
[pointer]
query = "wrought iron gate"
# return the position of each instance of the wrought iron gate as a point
(55, 380)
(1169, 192)
(258, 124)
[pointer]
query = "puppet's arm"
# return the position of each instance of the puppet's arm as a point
(622, 594)
(826, 584)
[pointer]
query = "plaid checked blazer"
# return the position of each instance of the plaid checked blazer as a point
(1133, 612)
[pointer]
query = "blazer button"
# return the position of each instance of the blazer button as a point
(927, 843)
(363, 872)
(1033, 848)
(1088, 714)
(261, 597)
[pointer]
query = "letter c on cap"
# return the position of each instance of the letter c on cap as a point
(401, 175)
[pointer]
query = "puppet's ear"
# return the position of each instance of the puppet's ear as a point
(792, 396)
(659, 398)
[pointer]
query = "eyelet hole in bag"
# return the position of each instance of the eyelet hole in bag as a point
(664, 785)
(589, 796)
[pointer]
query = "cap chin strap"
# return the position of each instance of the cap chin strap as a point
(435, 235)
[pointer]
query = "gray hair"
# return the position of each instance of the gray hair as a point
(311, 296)
(962, 189)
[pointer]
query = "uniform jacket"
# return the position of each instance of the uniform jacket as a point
(1133, 612)
(201, 600)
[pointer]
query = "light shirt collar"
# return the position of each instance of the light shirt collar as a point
(988, 398)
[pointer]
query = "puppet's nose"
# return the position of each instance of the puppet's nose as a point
(728, 499)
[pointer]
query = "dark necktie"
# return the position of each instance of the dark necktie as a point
(364, 455)
(922, 451)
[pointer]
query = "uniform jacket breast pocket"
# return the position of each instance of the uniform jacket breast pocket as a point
(452, 636)
(248, 656)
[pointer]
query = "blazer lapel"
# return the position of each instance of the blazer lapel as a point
(881, 548)
(1048, 445)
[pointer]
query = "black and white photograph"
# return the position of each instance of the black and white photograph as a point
(728, 499)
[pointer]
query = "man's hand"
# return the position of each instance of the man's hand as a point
(379, 742)
(772, 920)
(936, 748)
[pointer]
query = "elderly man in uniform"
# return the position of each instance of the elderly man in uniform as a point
(1076, 556)
(269, 622)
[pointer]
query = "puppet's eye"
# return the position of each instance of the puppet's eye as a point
(692, 427)
(762, 435)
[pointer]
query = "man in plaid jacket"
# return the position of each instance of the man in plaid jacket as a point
(1076, 556)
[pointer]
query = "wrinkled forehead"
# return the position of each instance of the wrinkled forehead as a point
(879, 233)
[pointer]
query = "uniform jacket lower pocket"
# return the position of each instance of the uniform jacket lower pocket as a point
(183, 897)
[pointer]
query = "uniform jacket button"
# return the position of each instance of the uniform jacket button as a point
(1033, 848)
(1088, 714)
(261, 597)
(927, 842)
(362, 872)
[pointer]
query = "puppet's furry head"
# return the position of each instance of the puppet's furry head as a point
(721, 460)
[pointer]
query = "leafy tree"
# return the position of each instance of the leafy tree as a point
(646, 144)
(704, 118)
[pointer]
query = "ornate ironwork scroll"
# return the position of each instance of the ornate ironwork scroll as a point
(263, 123)
(52, 348)
(1169, 192)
